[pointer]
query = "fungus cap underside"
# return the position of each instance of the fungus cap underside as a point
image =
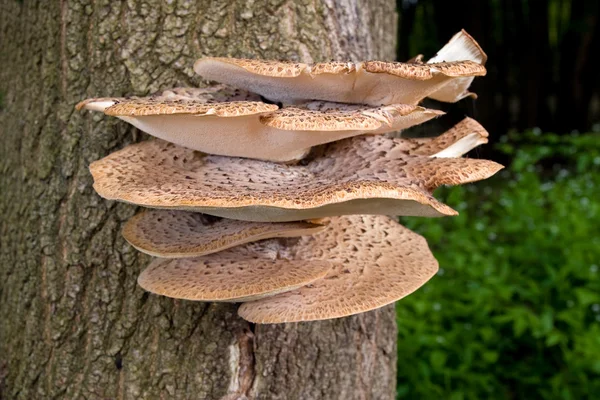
(211, 120)
(368, 82)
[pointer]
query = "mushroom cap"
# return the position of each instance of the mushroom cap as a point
(211, 120)
(180, 100)
(376, 261)
(220, 101)
(176, 234)
(461, 47)
(370, 82)
(241, 273)
(455, 142)
(344, 118)
(361, 175)
(149, 107)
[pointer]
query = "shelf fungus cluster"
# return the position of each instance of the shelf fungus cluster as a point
(275, 187)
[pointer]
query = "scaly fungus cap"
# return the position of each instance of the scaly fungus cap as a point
(461, 47)
(376, 261)
(242, 273)
(369, 82)
(230, 122)
(361, 175)
(176, 234)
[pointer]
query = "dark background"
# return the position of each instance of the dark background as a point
(542, 64)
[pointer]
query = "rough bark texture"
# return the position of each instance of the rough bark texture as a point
(74, 324)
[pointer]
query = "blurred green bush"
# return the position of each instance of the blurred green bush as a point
(514, 312)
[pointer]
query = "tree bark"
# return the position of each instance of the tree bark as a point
(74, 322)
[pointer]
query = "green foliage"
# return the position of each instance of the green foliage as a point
(514, 312)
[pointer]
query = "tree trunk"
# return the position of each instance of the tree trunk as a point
(74, 322)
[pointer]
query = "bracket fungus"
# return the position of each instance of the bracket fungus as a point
(223, 121)
(370, 82)
(364, 262)
(175, 234)
(455, 142)
(376, 261)
(361, 175)
(301, 242)
(242, 273)
(461, 47)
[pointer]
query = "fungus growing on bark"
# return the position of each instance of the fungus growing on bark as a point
(369, 82)
(229, 122)
(176, 234)
(242, 273)
(272, 253)
(461, 47)
(361, 175)
(376, 261)
(457, 141)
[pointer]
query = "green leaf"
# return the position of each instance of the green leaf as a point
(437, 359)
(586, 296)
(553, 338)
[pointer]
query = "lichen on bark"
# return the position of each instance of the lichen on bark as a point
(74, 322)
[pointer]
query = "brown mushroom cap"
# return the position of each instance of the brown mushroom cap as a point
(457, 141)
(376, 262)
(223, 121)
(338, 120)
(176, 234)
(361, 175)
(241, 273)
(461, 47)
(370, 82)
(176, 101)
